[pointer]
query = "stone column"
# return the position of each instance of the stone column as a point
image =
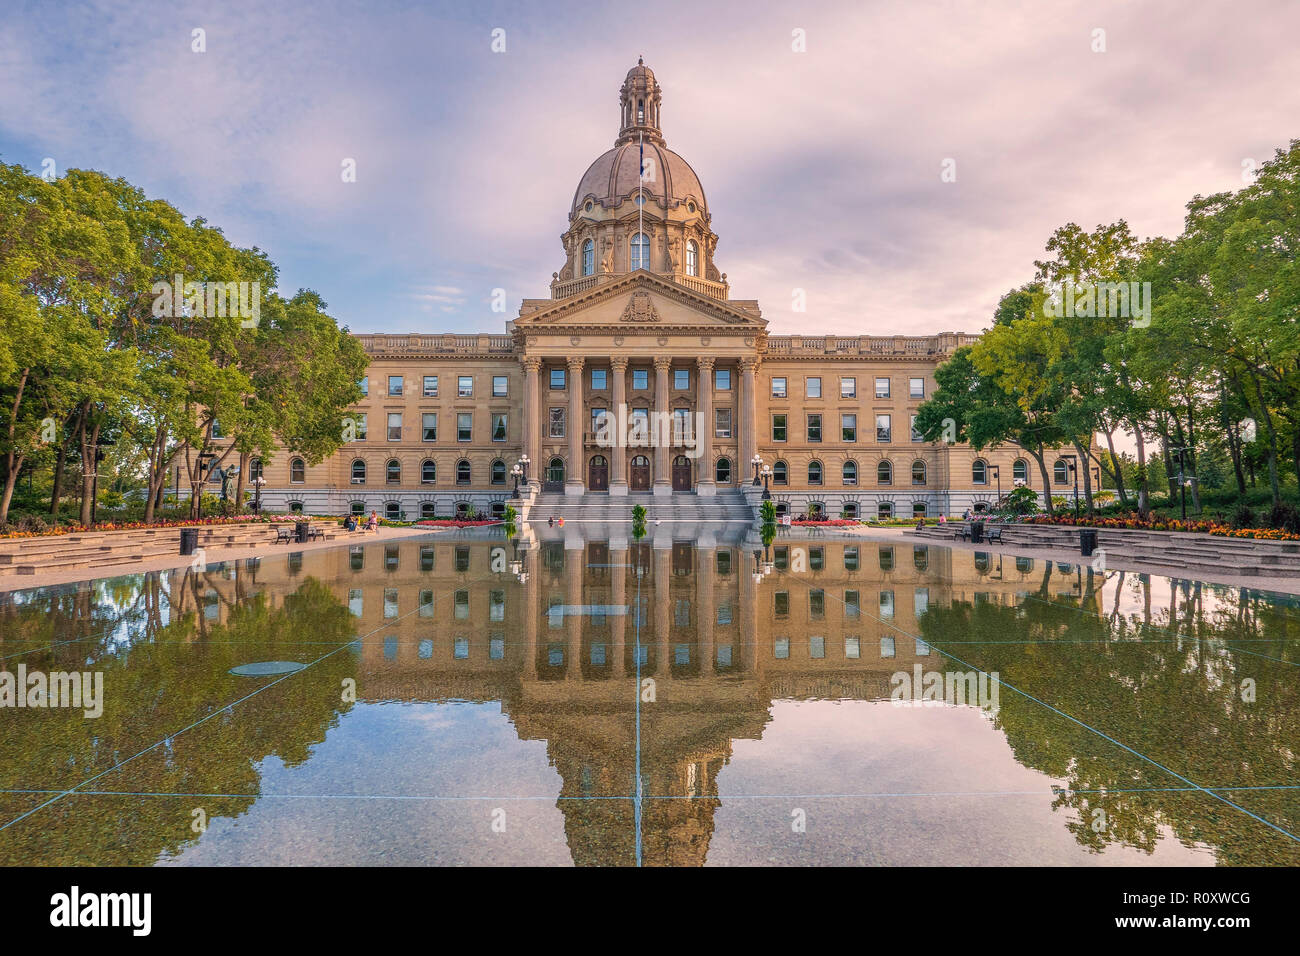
(704, 483)
(618, 598)
(705, 612)
(531, 608)
(663, 484)
(532, 418)
(663, 605)
(748, 631)
(748, 437)
(574, 480)
(618, 453)
(574, 567)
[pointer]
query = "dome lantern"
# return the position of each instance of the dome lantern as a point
(639, 100)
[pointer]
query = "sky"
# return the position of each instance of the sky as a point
(822, 166)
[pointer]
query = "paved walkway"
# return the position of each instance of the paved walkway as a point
(211, 556)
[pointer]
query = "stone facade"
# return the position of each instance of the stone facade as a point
(640, 326)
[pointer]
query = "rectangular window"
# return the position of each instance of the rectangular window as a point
(852, 609)
(394, 426)
(887, 605)
(640, 378)
(722, 423)
(722, 379)
(816, 604)
(365, 384)
(465, 386)
(886, 647)
(390, 602)
(920, 601)
(781, 648)
(816, 647)
(916, 387)
(361, 426)
(882, 388)
(500, 386)
(778, 428)
(681, 433)
(464, 426)
(429, 426)
(557, 423)
(496, 606)
(498, 428)
(850, 559)
(394, 385)
(430, 386)
(426, 604)
(814, 428)
(849, 427)
(813, 387)
(460, 603)
(848, 388)
(778, 387)
(883, 428)
(916, 434)
(597, 416)
(781, 604)
(639, 422)
(356, 603)
(557, 378)
(599, 379)
(681, 379)
(852, 648)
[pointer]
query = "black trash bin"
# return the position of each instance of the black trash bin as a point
(976, 532)
(189, 540)
(1087, 541)
(300, 529)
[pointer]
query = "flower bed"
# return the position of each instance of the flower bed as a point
(1133, 523)
(168, 523)
(457, 522)
(826, 521)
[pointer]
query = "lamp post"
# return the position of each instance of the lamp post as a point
(767, 476)
(1072, 462)
(997, 473)
(204, 463)
(524, 462)
(1182, 483)
(516, 471)
(757, 462)
(258, 482)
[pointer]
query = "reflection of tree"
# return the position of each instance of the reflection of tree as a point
(1175, 700)
(163, 681)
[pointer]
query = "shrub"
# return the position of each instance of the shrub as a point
(33, 524)
(1284, 517)
(1243, 517)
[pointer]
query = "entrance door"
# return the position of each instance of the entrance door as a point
(554, 478)
(639, 475)
(598, 474)
(681, 473)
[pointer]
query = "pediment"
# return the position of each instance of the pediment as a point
(640, 301)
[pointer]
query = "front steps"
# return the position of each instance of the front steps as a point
(725, 506)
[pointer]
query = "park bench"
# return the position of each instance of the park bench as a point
(283, 534)
(995, 534)
(962, 533)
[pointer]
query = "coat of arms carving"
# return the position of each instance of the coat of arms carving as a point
(639, 309)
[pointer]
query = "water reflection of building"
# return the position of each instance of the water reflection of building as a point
(564, 649)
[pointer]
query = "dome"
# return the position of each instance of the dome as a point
(613, 177)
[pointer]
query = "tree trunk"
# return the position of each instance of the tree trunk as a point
(1085, 462)
(1144, 481)
(13, 460)
(244, 459)
(1116, 470)
(1047, 484)
(89, 466)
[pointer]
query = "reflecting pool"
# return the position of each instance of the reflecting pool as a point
(462, 698)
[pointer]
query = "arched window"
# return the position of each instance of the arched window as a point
(1061, 472)
(426, 509)
(692, 258)
(358, 507)
(462, 509)
(918, 509)
(393, 472)
(918, 472)
(1020, 471)
(255, 469)
(297, 471)
(358, 472)
(393, 511)
(498, 472)
(588, 257)
(722, 471)
(814, 472)
(849, 474)
(885, 473)
(979, 472)
(780, 473)
(428, 472)
(850, 509)
(885, 510)
(640, 252)
(462, 472)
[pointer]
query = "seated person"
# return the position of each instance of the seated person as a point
(373, 523)
(350, 523)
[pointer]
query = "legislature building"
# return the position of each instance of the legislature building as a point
(640, 329)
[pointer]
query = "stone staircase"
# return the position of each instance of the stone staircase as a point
(726, 506)
(1190, 551)
(96, 549)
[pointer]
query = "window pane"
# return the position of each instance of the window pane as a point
(778, 428)
(394, 385)
(464, 426)
(778, 388)
(557, 423)
(431, 386)
(429, 426)
(599, 378)
(500, 385)
(848, 388)
(916, 387)
(813, 387)
(394, 426)
(722, 379)
(465, 386)
(557, 378)
(882, 388)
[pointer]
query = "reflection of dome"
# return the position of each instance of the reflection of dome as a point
(613, 177)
